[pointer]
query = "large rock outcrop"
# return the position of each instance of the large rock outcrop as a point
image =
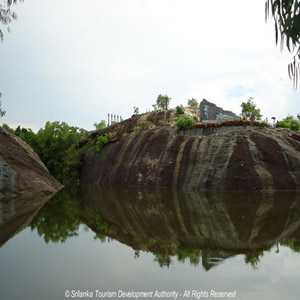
(248, 159)
(22, 174)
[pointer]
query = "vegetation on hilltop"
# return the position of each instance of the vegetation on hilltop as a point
(290, 122)
(250, 110)
(185, 122)
(100, 125)
(179, 110)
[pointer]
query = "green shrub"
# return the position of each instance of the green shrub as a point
(147, 124)
(289, 122)
(101, 140)
(111, 134)
(170, 120)
(294, 125)
(143, 125)
(179, 110)
(283, 124)
(193, 103)
(100, 125)
(185, 122)
(136, 128)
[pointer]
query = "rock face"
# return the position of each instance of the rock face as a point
(21, 171)
(249, 159)
(210, 112)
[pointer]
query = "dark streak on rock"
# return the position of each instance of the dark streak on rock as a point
(274, 161)
(241, 173)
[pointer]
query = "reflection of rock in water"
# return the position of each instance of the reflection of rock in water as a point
(8, 180)
(220, 224)
(7, 211)
(16, 213)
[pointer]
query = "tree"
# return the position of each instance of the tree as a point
(162, 102)
(179, 110)
(286, 14)
(290, 122)
(7, 128)
(193, 103)
(6, 14)
(185, 122)
(57, 147)
(249, 109)
(136, 110)
(2, 112)
(154, 107)
(100, 125)
(27, 135)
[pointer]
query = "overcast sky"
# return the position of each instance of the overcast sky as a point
(77, 61)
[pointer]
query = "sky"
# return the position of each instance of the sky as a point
(77, 61)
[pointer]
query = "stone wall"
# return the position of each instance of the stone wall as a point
(210, 112)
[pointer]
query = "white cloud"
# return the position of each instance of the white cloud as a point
(108, 56)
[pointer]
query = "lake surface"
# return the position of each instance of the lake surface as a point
(164, 244)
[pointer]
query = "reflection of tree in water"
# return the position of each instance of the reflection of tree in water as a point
(254, 258)
(188, 252)
(59, 219)
(294, 245)
(193, 254)
(164, 260)
(183, 252)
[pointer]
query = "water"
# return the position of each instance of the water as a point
(162, 241)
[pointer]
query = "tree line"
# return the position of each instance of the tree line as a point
(57, 145)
